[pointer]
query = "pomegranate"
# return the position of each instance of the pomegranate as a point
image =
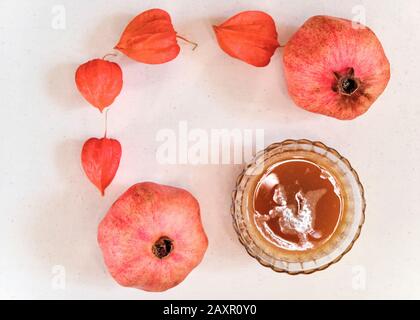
(335, 67)
(152, 237)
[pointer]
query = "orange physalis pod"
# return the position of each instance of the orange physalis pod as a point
(250, 36)
(100, 161)
(150, 38)
(100, 82)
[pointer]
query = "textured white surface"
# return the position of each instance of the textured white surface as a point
(49, 211)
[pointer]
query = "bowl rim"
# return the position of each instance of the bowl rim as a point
(341, 158)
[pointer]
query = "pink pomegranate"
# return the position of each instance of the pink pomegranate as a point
(152, 237)
(335, 67)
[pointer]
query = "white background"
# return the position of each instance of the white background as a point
(49, 212)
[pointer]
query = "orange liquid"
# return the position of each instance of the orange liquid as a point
(298, 205)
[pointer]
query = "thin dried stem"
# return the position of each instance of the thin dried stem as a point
(109, 55)
(106, 123)
(195, 45)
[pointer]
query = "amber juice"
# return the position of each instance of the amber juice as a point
(310, 209)
(297, 205)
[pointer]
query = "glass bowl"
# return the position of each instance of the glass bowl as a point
(345, 235)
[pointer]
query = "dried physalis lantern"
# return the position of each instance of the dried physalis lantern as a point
(100, 161)
(249, 36)
(100, 82)
(150, 38)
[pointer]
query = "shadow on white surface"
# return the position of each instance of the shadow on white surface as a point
(63, 230)
(61, 78)
(102, 39)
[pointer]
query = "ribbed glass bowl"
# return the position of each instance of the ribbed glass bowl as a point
(311, 260)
